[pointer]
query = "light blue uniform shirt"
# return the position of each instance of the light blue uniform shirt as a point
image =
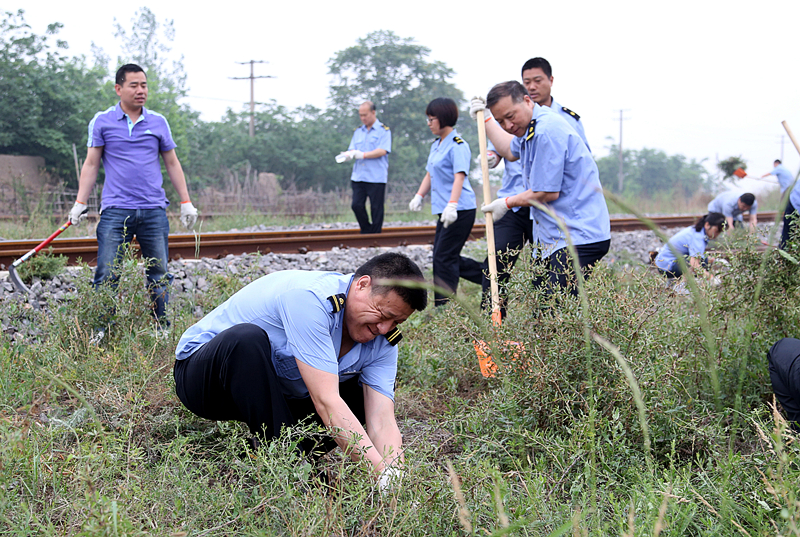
(794, 196)
(785, 178)
(446, 159)
(554, 158)
(292, 306)
(572, 118)
(687, 241)
(371, 170)
(727, 203)
(512, 183)
(131, 157)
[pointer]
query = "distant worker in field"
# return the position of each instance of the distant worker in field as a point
(784, 373)
(515, 228)
(128, 139)
(296, 345)
(452, 198)
(558, 172)
(733, 205)
(784, 176)
(370, 148)
(785, 180)
(690, 243)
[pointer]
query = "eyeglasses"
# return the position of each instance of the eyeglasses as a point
(431, 120)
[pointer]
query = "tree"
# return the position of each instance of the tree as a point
(730, 165)
(651, 171)
(46, 98)
(395, 74)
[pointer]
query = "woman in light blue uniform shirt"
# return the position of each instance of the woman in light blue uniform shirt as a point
(691, 244)
(452, 197)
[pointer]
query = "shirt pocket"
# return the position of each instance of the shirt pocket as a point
(286, 365)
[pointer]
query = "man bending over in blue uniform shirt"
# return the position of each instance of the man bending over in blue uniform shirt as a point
(733, 205)
(558, 171)
(297, 344)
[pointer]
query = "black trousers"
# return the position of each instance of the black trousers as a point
(784, 372)
(376, 193)
(447, 245)
(510, 235)
(677, 272)
(560, 265)
(788, 223)
(232, 378)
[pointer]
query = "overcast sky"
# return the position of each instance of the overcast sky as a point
(704, 79)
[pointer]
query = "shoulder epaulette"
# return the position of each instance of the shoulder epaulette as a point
(337, 301)
(385, 127)
(570, 112)
(394, 336)
(531, 130)
(458, 140)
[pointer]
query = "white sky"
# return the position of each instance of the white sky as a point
(703, 79)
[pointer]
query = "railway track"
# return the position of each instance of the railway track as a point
(217, 245)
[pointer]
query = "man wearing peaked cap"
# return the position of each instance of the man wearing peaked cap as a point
(297, 344)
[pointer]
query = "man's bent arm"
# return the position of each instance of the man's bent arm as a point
(375, 153)
(524, 199)
(336, 415)
(382, 426)
(501, 140)
(753, 222)
(89, 173)
(175, 172)
(729, 221)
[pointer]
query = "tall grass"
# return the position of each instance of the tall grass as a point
(627, 433)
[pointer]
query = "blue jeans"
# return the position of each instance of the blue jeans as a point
(151, 228)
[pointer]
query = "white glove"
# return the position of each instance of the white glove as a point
(78, 213)
(477, 104)
(358, 155)
(498, 208)
(188, 215)
(450, 214)
(415, 204)
(344, 156)
(390, 477)
(493, 159)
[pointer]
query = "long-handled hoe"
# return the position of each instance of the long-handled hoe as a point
(488, 367)
(12, 270)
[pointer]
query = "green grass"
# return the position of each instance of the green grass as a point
(632, 437)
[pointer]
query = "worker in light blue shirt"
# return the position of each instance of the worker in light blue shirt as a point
(369, 148)
(537, 77)
(784, 176)
(733, 205)
(452, 197)
(791, 215)
(294, 344)
(559, 173)
(690, 243)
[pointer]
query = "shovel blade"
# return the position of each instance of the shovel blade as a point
(16, 280)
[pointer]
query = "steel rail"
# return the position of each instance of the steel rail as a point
(217, 245)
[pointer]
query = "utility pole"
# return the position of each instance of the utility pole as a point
(252, 79)
(781, 147)
(621, 174)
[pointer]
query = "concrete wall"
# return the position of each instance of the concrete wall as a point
(25, 169)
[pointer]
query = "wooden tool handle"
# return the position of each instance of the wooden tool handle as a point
(487, 198)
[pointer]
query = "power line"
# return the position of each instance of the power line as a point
(621, 174)
(252, 79)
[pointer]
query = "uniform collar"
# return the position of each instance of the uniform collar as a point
(120, 114)
(374, 125)
(449, 137)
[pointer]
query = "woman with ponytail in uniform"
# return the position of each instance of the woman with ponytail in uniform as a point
(691, 244)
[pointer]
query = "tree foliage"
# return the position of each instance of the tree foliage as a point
(395, 74)
(46, 98)
(730, 165)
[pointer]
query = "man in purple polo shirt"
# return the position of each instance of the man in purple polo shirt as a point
(128, 139)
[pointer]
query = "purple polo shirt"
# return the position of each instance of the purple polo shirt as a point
(130, 157)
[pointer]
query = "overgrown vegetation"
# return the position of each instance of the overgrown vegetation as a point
(93, 440)
(43, 265)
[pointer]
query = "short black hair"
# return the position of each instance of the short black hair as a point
(778, 161)
(127, 68)
(445, 110)
(714, 220)
(512, 89)
(538, 63)
(748, 199)
(395, 266)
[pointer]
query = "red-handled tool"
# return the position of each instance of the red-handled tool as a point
(12, 270)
